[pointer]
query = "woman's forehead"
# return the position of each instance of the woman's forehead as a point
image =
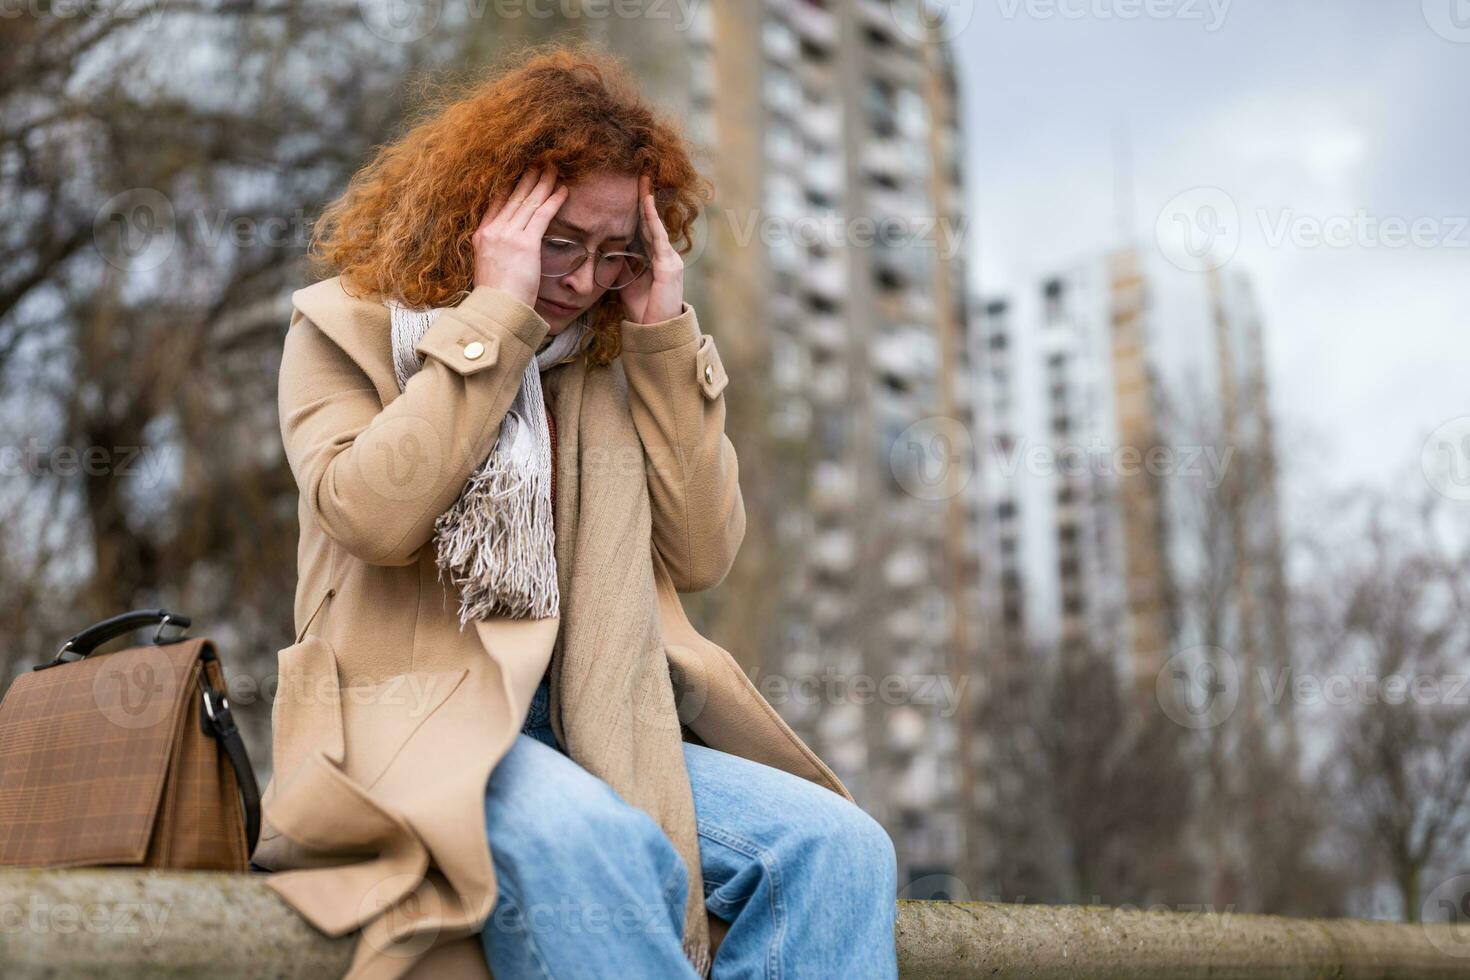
(603, 206)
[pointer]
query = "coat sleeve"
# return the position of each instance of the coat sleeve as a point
(676, 389)
(376, 477)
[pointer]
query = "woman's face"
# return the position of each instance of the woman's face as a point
(601, 212)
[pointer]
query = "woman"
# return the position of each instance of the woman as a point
(497, 739)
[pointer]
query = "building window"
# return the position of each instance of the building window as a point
(878, 103)
(877, 38)
(888, 279)
(1052, 292)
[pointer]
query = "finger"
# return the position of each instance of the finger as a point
(648, 217)
(502, 204)
(494, 211)
(659, 235)
(523, 186)
(542, 216)
(522, 214)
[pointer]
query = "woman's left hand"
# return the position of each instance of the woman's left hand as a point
(658, 294)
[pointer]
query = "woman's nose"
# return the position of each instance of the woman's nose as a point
(580, 281)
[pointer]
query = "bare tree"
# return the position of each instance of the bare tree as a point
(1090, 799)
(1398, 650)
(160, 170)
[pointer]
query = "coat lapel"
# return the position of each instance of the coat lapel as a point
(565, 383)
(360, 327)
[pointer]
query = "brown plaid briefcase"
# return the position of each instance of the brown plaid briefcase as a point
(127, 758)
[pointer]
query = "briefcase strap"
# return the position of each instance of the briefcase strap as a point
(220, 723)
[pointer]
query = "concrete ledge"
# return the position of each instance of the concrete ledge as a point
(130, 924)
(1041, 942)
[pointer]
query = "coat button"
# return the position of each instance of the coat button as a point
(473, 349)
(709, 372)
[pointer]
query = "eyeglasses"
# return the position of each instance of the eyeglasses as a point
(611, 270)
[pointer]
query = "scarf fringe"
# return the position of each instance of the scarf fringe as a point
(497, 544)
(497, 541)
(698, 954)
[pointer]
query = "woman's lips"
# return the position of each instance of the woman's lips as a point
(559, 309)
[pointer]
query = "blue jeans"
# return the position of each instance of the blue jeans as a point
(591, 886)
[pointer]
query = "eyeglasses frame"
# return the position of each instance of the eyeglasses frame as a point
(596, 254)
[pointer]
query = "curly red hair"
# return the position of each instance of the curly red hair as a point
(403, 228)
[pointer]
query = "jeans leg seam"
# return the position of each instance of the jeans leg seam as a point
(672, 879)
(778, 894)
(530, 937)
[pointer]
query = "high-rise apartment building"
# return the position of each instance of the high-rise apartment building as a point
(1132, 492)
(832, 272)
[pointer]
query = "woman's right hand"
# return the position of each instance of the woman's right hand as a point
(508, 241)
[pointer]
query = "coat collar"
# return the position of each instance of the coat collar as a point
(362, 328)
(358, 325)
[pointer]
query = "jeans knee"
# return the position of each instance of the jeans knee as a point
(610, 826)
(882, 857)
(854, 849)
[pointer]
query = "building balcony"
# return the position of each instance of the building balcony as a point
(815, 24)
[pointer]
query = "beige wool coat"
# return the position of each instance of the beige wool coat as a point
(388, 718)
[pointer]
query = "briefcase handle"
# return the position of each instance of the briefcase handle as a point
(89, 639)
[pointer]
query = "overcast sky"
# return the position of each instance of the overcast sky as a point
(1304, 114)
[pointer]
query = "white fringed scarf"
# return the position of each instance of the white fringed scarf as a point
(496, 542)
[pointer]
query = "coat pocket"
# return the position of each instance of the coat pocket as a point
(306, 716)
